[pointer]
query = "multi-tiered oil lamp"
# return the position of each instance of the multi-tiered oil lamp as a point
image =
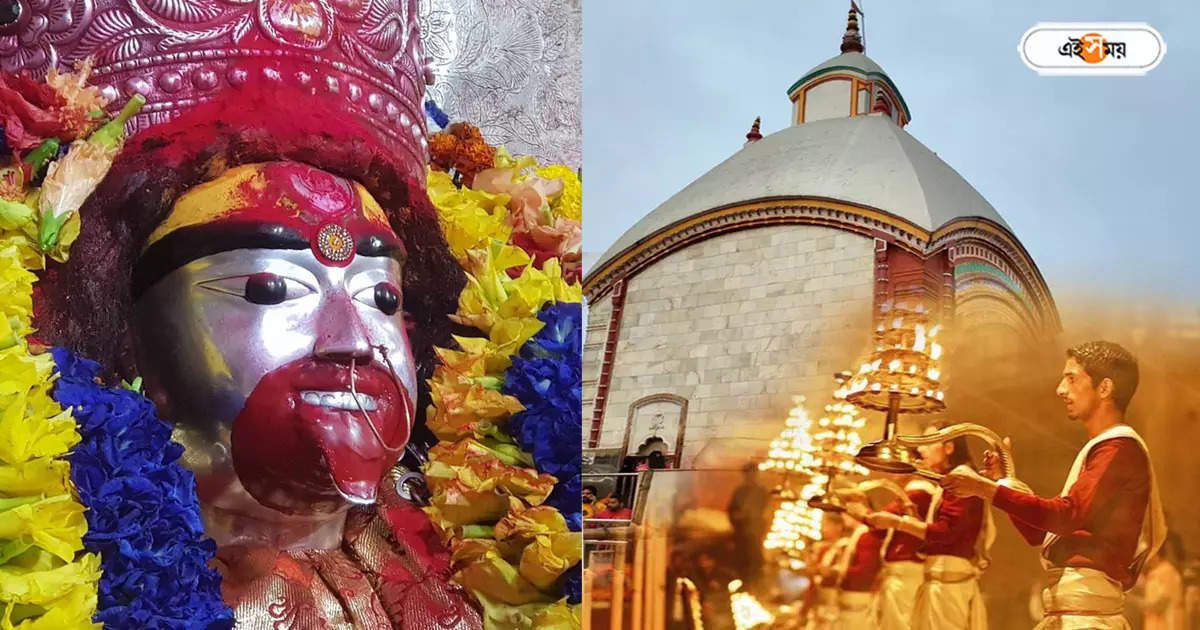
(835, 442)
(902, 375)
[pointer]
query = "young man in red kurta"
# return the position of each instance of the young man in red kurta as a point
(1097, 533)
(902, 546)
(903, 569)
(953, 537)
(856, 600)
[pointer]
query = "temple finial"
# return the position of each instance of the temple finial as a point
(754, 135)
(852, 40)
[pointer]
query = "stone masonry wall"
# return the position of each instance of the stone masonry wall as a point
(737, 324)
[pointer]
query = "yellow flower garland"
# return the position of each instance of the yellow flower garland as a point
(486, 499)
(46, 583)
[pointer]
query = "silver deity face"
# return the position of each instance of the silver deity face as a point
(205, 347)
(287, 371)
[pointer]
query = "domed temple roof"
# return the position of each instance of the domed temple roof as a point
(852, 62)
(852, 59)
(866, 160)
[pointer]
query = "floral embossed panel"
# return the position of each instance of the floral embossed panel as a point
(514, 68)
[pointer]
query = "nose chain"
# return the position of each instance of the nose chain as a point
(358, 401)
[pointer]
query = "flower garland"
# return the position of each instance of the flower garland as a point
(547, 379)
(508, 506)
(37, 119)
(143, 515)
(45, 582)
(47, 579)
(486, 194)
(119, 496)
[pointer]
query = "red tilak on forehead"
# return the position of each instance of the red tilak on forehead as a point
(274, 205)
(331, 213)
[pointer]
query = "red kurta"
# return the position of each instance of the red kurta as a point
(864, 563)
(1099, 520)
(955, 527)
(904, 547)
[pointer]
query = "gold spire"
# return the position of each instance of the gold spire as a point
(754, 135)
(852, 40)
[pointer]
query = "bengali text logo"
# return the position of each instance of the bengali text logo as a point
(1082, 48)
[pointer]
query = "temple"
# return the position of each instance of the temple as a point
(759, 279)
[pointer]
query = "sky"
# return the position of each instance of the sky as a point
(1096, 175)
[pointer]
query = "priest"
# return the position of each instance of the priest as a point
(1097, 534)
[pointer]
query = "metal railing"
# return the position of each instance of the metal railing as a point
(608, 585)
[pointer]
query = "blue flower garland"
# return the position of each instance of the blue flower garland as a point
(548, 380)
(143, 514)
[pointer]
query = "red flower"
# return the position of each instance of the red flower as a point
(542, 250)
(32, 111)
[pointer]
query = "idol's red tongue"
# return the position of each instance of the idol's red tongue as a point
(355, 457)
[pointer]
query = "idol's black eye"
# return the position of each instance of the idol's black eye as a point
(265, 288)
(260, 288)
(387, 298)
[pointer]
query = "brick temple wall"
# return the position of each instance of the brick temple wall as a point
(736, 325)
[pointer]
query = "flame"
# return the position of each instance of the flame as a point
(747, 612)
(919, 342)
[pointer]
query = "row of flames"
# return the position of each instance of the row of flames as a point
(808, 458)
(902, 373)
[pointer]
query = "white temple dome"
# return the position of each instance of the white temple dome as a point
(852, 59)
(858, 64)
(866, 160)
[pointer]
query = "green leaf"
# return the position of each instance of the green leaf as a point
(13, 548)
(479, 531)
(14, 214)
(8, 504)
(48, 231)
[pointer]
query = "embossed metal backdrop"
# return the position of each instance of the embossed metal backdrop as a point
(513, 67)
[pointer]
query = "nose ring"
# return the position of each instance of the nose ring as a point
(358, 402)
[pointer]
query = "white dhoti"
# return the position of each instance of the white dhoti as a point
(949, 598)
(856, 609)
(824, 615)
(898, 593)
(1083, 599)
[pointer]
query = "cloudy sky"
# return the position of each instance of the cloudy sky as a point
(1097, 176)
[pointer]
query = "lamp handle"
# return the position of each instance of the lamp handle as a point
(946, 434)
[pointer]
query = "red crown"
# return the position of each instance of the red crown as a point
(363, 55)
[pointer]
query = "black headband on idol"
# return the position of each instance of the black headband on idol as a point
(197, 241)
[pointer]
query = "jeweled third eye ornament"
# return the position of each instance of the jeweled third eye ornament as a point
(335, 243)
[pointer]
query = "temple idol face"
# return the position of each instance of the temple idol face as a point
(269, 330)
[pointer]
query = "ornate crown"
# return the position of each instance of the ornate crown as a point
(365, 55)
